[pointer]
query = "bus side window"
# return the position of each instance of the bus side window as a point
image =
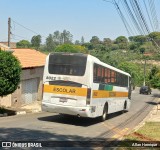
(113, 77)
(95, 73)
(98, 74)
(103, 75)
(108, 75)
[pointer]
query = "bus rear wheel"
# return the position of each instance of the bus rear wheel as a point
(124, 108)
(105, 112)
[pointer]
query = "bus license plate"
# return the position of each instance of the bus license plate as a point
(62, 100)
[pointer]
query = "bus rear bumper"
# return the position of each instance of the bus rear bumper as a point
(70, 110)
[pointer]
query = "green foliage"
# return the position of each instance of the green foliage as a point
(142, 50)
(82, 40)
(122, 42)
(121, 39)
(133, 70)
(36, 41)
(154, 77)
(66, 37)
(71, 48)
(89, 46)
(95, 40)
(134, 46)
(154, 35)
(9, 74)
(139, 38)
(77, 42)
(118, 53)
(23, 44)
(50, 44)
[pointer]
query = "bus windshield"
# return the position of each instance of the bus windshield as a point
(67, 64)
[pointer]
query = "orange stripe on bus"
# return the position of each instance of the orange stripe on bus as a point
(67, 90)
(76, 91)
(105, 94)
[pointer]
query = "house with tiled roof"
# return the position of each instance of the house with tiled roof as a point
(3, 47)
(30, 87)
(12, 44)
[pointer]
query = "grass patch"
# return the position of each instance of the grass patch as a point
(150, 132)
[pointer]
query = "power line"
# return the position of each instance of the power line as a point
(142, 16)
(27, 28)
(132, 17)
(18, 36)
(153, 13)
(128, 15)
(138, 16)
(128, 28)
(144, 1)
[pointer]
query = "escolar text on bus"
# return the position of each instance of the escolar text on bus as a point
(64, 90)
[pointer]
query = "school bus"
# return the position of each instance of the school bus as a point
(80, 84)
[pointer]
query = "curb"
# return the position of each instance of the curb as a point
(142, 123)
(20, 112)
(28, 112)
(4, 115)
(150, 114)
(23, 112)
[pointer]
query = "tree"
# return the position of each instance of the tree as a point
(23, 44)
(107, 42)
(142, 50)
(77, 42)
(57, 37)
(95, 40)
(122, 42)
(82, 40)
(133, 46)
(50, 44)
(89, 46)
(154, 77)
(133, 70)
(66, 37)
(71, 48)
(9, 74)
(121, 39)
(36, 41)
(155, 37)
(139, 38)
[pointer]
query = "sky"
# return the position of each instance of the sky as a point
(85, 18)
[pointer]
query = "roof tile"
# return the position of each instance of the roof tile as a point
(30, 57)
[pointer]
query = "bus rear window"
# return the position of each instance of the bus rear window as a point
(66, 64)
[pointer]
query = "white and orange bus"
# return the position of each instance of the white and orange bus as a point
(82, 85)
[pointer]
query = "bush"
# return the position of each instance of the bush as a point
(71, 48)
(10, 70)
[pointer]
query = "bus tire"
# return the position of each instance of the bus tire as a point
(105, 112)
(124, 107)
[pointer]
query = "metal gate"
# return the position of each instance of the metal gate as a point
(29, 90)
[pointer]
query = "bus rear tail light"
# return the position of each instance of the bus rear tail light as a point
(88, 96)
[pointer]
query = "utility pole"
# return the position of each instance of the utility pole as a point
(144, 82)
(9, 31)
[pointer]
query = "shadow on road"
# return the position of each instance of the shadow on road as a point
(152, 103)
(156, 95)
(49, 140)
(74, 120)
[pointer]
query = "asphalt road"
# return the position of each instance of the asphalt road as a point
(50, 127)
